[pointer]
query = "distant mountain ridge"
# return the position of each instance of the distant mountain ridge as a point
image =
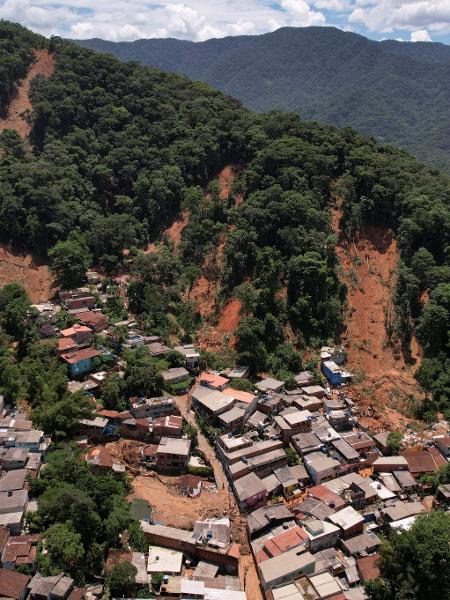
(396, 91)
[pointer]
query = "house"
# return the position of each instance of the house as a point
(210, 403)
(285, 567)
(13, 480)
(268, 384)
(13, 506)
(80, 333)
(191, 355)
(348, 520)
(291, 537)
(402, 510)
(246, 400)
(443, 494)
(158, 349)
(321, 534)
(66, 344)
(321, 467)
(443, 445)
(316, 391)
(172, 455)
(250, 491)
(213, 381)
(288, 480)
(152, 407)
(80, 361)
(238, 373)
(311, 507)
(291, 422)
(387, 464)
(334, 374)
(15, 458)
(168, 426)
(232, 420)
(303, 379)
(304, 443)
(421, 462)
(359, 441)
(96, 320)
(84, 302)
(20, 550)
(368, 567)
(57, 587)
(13, 584)
(164, 559)
(361, 545)
(262, 519)
(30, 440)
(175, 375)
(381, 440)
(323, 493)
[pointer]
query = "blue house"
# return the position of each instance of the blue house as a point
(334, 374)
(80, 361)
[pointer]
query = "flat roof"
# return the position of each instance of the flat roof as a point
(174, 446)
(346, 518)
(293, 562)
(164, 560)
(213, 400)
(269, 383)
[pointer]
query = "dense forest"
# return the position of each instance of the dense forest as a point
(394, 91)
(120, 149)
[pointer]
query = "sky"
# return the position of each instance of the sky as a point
(198, 20)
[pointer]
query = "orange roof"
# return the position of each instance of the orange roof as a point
(213, 380)
(239, 395)
(368, 567)
(321, 492)
(66, 342)
(285, 541)
(235, 550)
(85, 353)
(75, 329)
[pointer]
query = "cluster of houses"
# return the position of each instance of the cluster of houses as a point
(202, 563)
(315, 485)
(317, 488)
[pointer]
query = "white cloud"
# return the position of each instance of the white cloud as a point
(421, 35)
(201, 19)
(300, 13)
(412, 15)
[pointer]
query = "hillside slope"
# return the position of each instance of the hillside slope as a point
(394, 91)
(125, 155)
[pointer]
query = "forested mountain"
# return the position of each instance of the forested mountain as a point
(120, 149)
(395, 91)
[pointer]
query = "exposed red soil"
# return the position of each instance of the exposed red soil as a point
(226, 178)
(173, 233)
(369, 267)
(229, 317)
(20, 107)
(176, 229)
(32, 274)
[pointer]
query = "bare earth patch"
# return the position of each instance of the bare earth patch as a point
(20, 106)
(33, 275)
(368, 267)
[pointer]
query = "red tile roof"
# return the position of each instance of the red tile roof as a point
(12, 584)
(66, 343)
(213, 380)
(285, 541)
(420, 461)
(75, 329)
(368, 567)
(74, 357)
(321, 492)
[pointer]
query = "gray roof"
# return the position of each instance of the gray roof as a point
(13, 480)
(290, 563)
(266, 515)
(248, 486)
